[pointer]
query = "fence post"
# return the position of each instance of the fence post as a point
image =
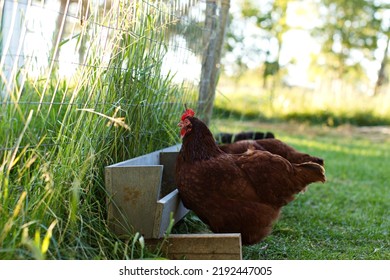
(13, 30)
(213, 41)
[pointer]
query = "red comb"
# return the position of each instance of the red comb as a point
(188, 113)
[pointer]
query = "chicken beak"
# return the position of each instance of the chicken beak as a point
(180, 124)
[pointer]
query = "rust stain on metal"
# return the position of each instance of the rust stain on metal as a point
(131, 195)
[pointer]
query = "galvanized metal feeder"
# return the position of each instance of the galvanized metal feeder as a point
(141, 197)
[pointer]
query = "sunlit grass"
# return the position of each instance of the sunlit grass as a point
(345, 218)
(248, 99)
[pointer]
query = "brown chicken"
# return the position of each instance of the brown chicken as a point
(273, 146)
(240, 193)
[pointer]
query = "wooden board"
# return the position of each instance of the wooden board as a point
(202, 246)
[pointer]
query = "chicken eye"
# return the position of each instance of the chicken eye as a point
(187, 123)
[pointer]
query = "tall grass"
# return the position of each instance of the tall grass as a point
(57, 136)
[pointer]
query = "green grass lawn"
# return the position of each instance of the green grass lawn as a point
(348, 217)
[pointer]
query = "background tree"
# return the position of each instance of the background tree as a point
(382, 75)
(270, 19)
(383, 14)
(349, 34)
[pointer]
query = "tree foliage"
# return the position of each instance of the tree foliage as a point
(270, 19)
(352, 34)
(349, 33)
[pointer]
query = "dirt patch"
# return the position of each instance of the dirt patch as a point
(374, 133)
(371, 133)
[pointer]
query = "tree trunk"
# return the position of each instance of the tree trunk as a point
(382, 71)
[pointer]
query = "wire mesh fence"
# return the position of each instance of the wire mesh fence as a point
(114, 56)
(84, 84)
(55, 34)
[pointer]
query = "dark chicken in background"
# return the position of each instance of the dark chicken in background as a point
(241, 193)
(227, 138)
(273, 146)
